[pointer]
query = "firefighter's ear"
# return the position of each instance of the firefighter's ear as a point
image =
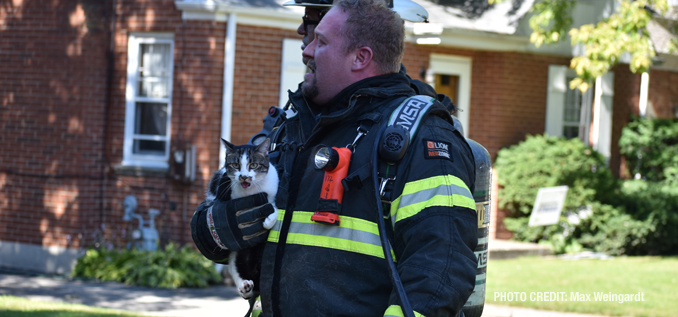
(363, 58)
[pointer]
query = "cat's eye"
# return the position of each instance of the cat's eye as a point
(235, 166)
(253, 166)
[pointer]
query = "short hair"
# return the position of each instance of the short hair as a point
(371, 23)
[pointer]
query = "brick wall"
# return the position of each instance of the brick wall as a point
(62, 139)
(61, 184)
(52, 96)
(258, 59)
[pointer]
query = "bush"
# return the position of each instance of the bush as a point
(655, 203)
(543, 161)
(629, 217)
(610, 230)
(651, 148)
(168, 268)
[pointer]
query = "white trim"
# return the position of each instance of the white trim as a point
(476, 40)
(129, 158)
(227, 97)
(284, 18)
(601, 132)
(292, 69)
(644, 86)
(456, 66)
(555, 100)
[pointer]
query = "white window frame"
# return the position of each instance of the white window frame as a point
(132, 97)
(455, 66)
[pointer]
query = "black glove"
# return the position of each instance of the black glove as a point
(233, 225)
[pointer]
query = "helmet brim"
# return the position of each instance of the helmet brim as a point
(306, 4)
(408, 10)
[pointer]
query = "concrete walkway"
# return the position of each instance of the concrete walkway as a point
(212, 301)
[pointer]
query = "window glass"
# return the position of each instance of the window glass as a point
(154, 70)
(572, 112)
(151, 118)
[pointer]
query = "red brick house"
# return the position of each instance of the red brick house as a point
(96, 97)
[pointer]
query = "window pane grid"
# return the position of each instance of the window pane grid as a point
(572, 112)
(154, 70)
(150, 72)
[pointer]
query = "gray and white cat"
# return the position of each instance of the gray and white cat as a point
(248, 172)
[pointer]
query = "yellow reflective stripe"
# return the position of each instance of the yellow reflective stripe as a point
(396, 311)
(354, 234)
(443, 190)
(256, 311)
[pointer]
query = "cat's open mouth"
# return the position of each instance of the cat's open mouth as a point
(245, 184)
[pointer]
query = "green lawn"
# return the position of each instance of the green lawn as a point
(11, 306)
(557, 280)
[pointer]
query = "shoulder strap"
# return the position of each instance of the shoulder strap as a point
(401, 129)
(410, 112)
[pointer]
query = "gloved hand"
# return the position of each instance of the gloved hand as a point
(233, 225)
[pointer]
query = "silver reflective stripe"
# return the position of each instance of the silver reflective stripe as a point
(317, 229)
(354, 234)
(441, 190)
(426, 194)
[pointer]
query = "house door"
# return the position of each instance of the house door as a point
(451, 75)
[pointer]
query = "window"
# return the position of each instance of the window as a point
(573, 114)
(148, 96)
(568, 110)
(573, 125)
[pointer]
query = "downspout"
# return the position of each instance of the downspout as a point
(227, 99)
(107, 108)
(644, 85)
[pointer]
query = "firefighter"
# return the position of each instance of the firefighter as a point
(312, 268)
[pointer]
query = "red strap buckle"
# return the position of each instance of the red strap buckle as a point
(326, 217)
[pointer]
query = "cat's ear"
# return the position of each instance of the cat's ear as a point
(263, 147)
(228, 145)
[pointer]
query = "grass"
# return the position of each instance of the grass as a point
(656, 278)
(11, 306)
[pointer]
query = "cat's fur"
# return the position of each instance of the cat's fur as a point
(250, 172)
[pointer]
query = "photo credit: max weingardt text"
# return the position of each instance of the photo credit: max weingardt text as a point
(568, 296)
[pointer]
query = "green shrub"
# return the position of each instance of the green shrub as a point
(655, 203)
(543, 161)
(651, 148)
(168, 268)
(629, 217)
(610, 230)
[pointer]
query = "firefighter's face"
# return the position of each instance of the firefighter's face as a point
(329, 63)
(310, 20)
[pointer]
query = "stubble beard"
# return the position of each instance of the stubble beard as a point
(310, 90)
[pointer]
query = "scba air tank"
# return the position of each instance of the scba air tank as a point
(474, 305)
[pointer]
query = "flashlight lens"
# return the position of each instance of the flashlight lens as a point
(322, 157)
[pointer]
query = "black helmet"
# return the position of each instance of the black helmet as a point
(407, 9)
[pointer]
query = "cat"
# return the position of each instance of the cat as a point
(249, 171)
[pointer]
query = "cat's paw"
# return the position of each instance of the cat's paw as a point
(246, 289)
(270, 221)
